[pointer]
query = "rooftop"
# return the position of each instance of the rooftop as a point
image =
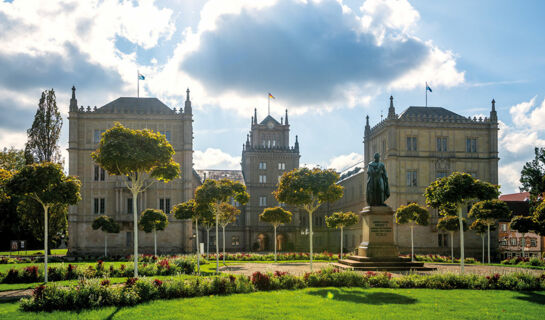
(135, 105)
(234, 175)
(521, 196)
(430, 112)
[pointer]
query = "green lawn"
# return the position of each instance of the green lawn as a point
(57, 252)
(5, 267)
(322, 303)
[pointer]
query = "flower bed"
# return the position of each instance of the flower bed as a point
(525, 262)
(287, 256)
(439, 258)
(32, 274)
(97, 293)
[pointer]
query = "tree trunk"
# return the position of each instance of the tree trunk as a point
(223, 233)
(135, 230)
(342, 239)
(522, 240)
(198, 246)
(155, 242)
(488, 232)
(208, 243)
(462, 253)
(105, 244)
(310, 237)
(412, 243)
(451, 246)
(482, 236)
(275, 243)
(217, 246)
(45, 241)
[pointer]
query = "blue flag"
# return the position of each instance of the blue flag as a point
(141, 77)
(428, 88)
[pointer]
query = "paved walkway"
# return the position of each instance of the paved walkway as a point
(13, 295)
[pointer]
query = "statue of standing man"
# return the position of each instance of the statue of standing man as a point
(378, 189)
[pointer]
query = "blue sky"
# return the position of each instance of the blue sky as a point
(329, 62)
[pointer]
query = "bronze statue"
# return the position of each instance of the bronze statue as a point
(378, 189)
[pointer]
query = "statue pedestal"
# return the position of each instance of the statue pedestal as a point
(378, 233)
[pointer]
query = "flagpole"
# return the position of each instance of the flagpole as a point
(269, 104)
(426, 93)
(138, 83)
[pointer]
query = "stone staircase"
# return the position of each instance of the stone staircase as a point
(358, 263)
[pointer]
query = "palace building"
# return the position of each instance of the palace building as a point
(105, 194)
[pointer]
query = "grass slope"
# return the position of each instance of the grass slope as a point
(322, 303)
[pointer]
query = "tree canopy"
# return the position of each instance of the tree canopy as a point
(227, 213)
(153, 219)
(451, 224)
(532, 175)
(341, 219)
(480, 227)
(490, 211)
(275, 216)
(12, 159)
(190, 210)
(523, 224)
(45, 131)
(106, 224)
(539, 218)
(5, 176)
(412, 213)
(309, 188)
(217, 191)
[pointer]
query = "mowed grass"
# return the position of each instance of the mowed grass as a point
(55, 252)
(322, 303)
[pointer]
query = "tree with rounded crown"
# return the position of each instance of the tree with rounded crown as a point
(208, 223)
(480, 227)
(47, 184)
(275, 216)
(215, 192)
(196, 212)
(539, 219)
(455, 190)
(308, 189)
(143, 156)
(490, 212)
(523, 224)
(152, 220)
(227, 213)
(532, 177)
(451, 224)
(107, 225)
(340, 220)
(413, 214)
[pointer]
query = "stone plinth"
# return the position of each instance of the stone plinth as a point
(378, 233)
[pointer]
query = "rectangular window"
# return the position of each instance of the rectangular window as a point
(471, 145)
(503, 242)
(99, 174)
(442, 240)
(411, 144)
(504, 227)
(440, 174)
(164, 205)
(99, 205)
(411, 178)
(98, 135)
(281, 166)
(129, 206)
(262, 179)
(235, 241)
(533, 242)
(263, 165)
(513, 241)
(441, 144)
(262, 201)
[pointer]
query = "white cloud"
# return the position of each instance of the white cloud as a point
(213, 158)
(528, 114)
(15, 139)
(344, 161)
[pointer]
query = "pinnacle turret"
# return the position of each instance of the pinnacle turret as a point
(73, 100)
(391, 109)
(187, 109)
(493, 113)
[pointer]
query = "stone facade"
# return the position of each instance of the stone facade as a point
(425, 143)
(105, 194)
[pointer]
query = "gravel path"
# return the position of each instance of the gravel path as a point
(480, 269)
(13, 295)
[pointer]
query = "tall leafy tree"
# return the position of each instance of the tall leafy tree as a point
(107, 225)
(455, 190)
(45, 131)
(196, 212)
(413, 214)
(481, 228)
(215, 192)
(12, 159)
(275, 216)
(451, 224)
(532, 176)
(308, 190)
(490, 212)
(31, 217)
(523, 224)
(152, 220)
(143, 156)
(539, 218)
(341, 220)
(46, 184)
(227, 213)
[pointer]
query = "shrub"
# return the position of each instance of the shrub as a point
(261, 281)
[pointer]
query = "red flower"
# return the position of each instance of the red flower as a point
(39, 291)
(157, 282)
(105, 282)
(130, 282)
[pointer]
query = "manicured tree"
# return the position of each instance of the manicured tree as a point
(191, 210)
(480, 227)
(455, 190)
(275, 216)
(46, 184)
(143, 156)
(12, 159)
(523, 224)
(227, 214)
(45, 131)
(152, 220)
(309, 189)
(208, 224)
(107, 225)
(490, 212)
(340, 220)
(452, 224)
(412, 214)
(213, 193)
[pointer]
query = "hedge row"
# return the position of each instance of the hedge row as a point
(70, 272)
(525, 262)
(96, 293)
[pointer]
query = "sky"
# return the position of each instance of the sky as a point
(330, 63)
